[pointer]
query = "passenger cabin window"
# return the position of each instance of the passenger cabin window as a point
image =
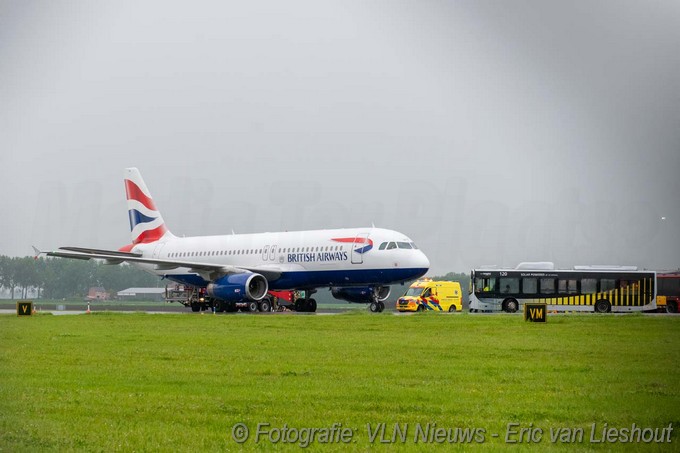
(509, 285)
(547, 285)
(567, 287)
(529, 285)
(588, 286)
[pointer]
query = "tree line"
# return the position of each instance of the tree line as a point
(54, 278)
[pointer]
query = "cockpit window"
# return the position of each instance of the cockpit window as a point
(403, 245)
(413, 244)
(391, 246)
(382, 246)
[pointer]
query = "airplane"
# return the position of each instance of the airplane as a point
(357, 264)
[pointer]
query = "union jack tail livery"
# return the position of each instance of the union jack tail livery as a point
(146, 222)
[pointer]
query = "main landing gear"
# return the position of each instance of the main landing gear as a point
(305, 304)
(376, 307)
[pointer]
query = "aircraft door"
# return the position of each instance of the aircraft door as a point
(157, 250)
(360, 242)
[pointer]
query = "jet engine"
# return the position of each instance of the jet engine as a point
(362, 295)
(238, 287)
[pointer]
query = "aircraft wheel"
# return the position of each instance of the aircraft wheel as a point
(381, 306)
(311, 306)
(299, 305)
(374, 307)
(195, 308)
(252, 306)
(265, 306)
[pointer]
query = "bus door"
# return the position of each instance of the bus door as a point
(485, 285)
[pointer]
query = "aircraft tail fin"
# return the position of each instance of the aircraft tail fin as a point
(146, 222)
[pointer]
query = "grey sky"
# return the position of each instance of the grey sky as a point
(490, 132)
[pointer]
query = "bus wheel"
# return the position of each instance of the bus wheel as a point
(510, 305)
(671, 306)
(602, 306)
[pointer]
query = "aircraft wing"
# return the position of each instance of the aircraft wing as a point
(209, 271)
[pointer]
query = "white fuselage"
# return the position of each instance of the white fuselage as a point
(306, 259)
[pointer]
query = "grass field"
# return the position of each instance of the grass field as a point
(106, 382)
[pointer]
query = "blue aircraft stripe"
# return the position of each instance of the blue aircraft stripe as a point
(137, 217)
(364, 249)
(318, 279)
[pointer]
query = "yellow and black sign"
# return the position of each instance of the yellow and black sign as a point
(24, 308)
(535, 312)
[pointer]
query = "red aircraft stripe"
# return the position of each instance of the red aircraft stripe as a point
(135, 193)
(353, 240)
(151, 235)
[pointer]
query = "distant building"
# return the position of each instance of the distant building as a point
(98, 293)
(153, 294)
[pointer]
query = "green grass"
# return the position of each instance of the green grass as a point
(180, 382)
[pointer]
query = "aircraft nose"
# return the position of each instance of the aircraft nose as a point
(422, 260)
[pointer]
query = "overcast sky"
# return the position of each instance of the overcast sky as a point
(490, 132)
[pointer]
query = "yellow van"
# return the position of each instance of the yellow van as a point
(429, 295)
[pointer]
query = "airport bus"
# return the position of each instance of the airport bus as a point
(585, 288)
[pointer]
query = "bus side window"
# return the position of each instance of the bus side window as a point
(571, 287)
(509, 285)
(529, 285)
(547, 286)
(567, 287)
(588, 286)
(607, 284)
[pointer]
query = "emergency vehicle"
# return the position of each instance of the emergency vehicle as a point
(431, 295)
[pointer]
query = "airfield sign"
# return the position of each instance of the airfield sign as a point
(24, 308)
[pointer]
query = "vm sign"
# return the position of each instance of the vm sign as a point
(535, 312)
